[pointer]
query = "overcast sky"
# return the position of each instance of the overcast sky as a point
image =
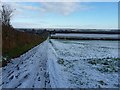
(100, 15)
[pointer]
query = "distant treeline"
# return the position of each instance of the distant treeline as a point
(87, 32)
(79, 31)
(83, 38)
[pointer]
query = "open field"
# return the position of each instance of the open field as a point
(64, 64)
(84, 64)
(85, 36)
(88, 35)
(58, 63)
(59, 44)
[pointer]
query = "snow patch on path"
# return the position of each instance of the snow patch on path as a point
(57, 77)
(27, 71)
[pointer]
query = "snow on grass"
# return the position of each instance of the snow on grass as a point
(88, 35)
(28, 70)
(86, 64)
(57, 80)
(64, 64)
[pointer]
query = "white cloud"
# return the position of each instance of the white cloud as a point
(30, 7)
(14, 6)
(20, 6)
(20, 9)
(64, 8)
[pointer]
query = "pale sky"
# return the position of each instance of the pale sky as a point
(81, 15)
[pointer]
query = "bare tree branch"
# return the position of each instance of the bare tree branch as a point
(6, 13)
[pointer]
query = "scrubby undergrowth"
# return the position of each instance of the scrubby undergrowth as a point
(15, 43)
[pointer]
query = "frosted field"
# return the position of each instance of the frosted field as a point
(87, 35)
(64, 64)
(84, 64)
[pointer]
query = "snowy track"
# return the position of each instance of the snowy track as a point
(64, 64)
(27, 71)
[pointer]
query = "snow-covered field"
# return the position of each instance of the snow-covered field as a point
(87, 35)
(84, 64)
(64, 64)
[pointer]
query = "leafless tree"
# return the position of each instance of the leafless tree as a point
(6, 13)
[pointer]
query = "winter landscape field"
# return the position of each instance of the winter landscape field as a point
(52, 44)
(86, 64)
(64, 64)
(88, 35)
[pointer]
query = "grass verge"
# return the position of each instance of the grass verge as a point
(15, 43)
